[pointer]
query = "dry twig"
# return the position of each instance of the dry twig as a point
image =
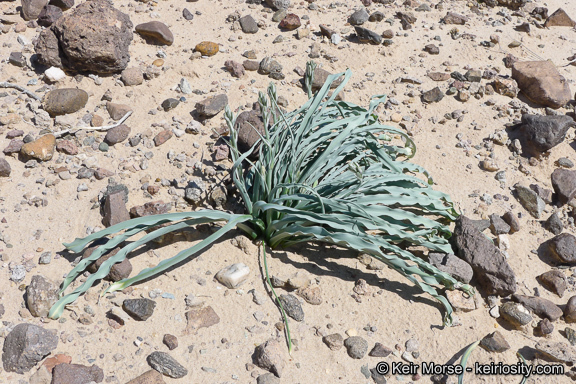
(6, 84)
(103, 128)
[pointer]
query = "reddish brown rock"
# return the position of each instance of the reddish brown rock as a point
(200, 318)
(102, 173)
(157, 31)
(151, 208)
(541, 82)
(31, 9)
(14, 146)
(76, 374)
(439, 76)
(559, 19)
(150, 377)
(115, 209)
(236, 69)
(41, 149)
(117, 134)
(67, 146)
(53, 361)
(117, 111)
(162, 137)
(290, 22)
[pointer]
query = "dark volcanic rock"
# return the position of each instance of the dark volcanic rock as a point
(292, 306)
(167, 365)
(490, 267)
(94, 37)
(495, 342)
(356, 347)
(554, 224)
(498, 226)
(139, 309)
(248, 24)
(570, 310)
(563, 248)
(564, 184)
(5, 168)
(63, 4)
(458, 268)
(250, 126)
(269, 356)
(367, 36)
(359, 17)
(432, 96)
(118, 271)
(212, 105)
(49, 15)
(26, 346)
(32, 8)
(542, 133)
(515, 313)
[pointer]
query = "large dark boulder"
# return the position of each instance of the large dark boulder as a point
(95, 37)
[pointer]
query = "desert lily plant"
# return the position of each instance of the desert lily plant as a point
(326, 172)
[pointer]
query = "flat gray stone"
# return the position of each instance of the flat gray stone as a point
(166, 364)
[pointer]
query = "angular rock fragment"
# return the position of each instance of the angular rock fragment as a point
(166, 364)
(495, 342)
(490, 267)
(559, 19)
(269, 356)
(156, 31)
(25, 346)
(200, 318)
(541, 82)
(542, 133)
(564, 184)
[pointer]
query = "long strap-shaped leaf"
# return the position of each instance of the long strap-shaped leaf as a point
(360, 243)
(106, 266)
(79, 244)
(181, 256)
(98, 252)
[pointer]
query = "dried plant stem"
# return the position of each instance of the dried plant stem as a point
(6, 84)
(103, 128)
